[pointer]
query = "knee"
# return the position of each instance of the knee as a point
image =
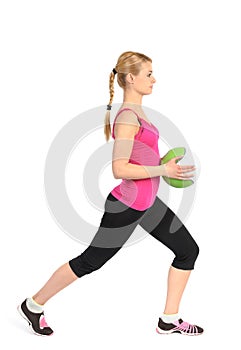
(194, 252)
(81, 266)
(186, 259)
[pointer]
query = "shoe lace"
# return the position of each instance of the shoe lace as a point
(187, 327)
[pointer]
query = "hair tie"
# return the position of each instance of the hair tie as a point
(109, 107)
(114, 71)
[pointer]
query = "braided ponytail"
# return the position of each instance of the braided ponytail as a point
(107, 128)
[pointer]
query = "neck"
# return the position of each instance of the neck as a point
(132, 97)
(136, 106)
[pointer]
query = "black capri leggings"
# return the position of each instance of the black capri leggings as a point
(118, 223)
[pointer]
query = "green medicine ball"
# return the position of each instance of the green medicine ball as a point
(175, 152)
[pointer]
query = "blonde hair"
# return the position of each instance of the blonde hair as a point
(128, 62)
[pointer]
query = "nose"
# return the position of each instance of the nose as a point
(153, 80)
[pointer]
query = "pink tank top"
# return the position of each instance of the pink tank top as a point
(140, 194)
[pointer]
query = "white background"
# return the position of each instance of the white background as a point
(56, 57)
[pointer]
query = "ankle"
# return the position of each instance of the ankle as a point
(33, 306)
(37, 299)
(171, 311)
(170, 318)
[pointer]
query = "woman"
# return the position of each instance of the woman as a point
(136, 160)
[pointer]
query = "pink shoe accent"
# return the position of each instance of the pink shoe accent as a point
(42, 322)
(185, 327)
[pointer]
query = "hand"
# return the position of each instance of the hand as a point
(175, 171)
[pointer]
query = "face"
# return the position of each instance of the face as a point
(144, 81)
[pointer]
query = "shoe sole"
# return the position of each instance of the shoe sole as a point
(30, 324)
(160, 331)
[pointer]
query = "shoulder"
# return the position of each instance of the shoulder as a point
(127, 117)
(125, 124)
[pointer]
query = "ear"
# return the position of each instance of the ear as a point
(130, 78)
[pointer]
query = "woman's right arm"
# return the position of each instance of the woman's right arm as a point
(126, 127)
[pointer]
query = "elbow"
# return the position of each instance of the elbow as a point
(117, 171)
(120, 169)
(116, 174)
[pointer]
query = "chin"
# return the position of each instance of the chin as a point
(147, 92)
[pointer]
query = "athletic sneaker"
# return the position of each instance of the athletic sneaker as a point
(178, 327)
(36, 321)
